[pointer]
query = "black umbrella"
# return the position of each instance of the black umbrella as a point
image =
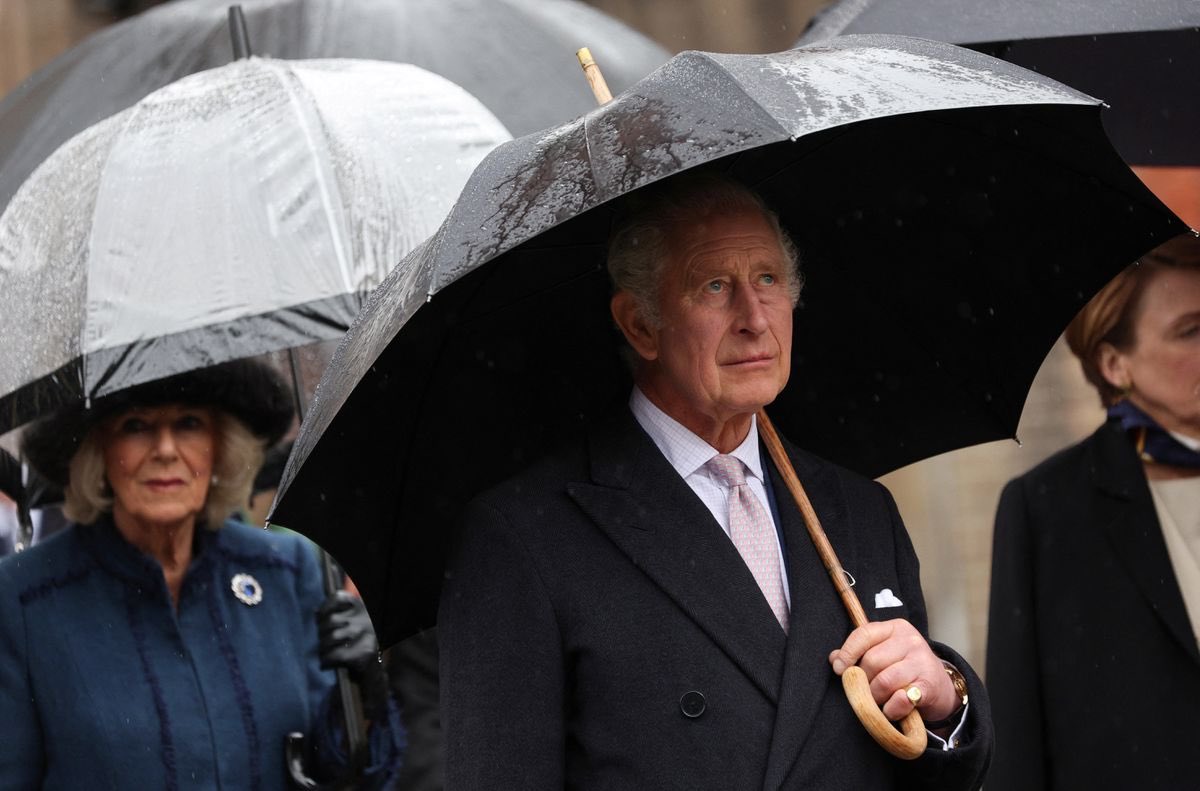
(1142, 58)
(954, 212)
(516, 56)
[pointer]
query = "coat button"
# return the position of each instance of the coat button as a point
(692, 704)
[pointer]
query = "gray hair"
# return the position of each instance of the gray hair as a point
(238, 456)
(639, 246)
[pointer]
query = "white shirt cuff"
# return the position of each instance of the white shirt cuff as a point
(951, 741)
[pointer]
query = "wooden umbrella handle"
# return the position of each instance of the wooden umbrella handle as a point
(594, 77)
(909, 744)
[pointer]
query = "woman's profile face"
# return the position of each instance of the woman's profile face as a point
(159, 460)
(1163, 364)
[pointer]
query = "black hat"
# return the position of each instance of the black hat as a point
(249, 390)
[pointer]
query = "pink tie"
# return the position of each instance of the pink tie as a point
(752, 532)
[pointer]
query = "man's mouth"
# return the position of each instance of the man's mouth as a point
(753, 359)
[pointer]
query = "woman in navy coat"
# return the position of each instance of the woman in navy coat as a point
(158, 644)
(1092, 661)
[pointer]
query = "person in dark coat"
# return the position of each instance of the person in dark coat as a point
(156, 643)
(645, 609)
(1092, 657)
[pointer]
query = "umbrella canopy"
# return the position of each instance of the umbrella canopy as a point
(516, 56)
(238, 211)
(1143, 58)
(952, 211)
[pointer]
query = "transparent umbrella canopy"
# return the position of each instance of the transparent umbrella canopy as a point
(238, 211)
(515, 56)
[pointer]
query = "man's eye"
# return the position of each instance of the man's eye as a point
(768, 279)
(714, 286)
(1189, 331)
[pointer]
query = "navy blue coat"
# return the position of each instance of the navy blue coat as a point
(104, 684)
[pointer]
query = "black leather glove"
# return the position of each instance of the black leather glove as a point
(347, 639)
(346, 636)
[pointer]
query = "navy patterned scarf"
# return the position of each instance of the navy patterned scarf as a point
(1154, 443)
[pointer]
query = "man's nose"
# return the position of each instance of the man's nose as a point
(751, 312)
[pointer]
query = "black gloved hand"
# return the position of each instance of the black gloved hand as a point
(346, 636)
(347, 639)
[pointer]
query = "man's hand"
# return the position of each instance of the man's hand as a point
(895, 657)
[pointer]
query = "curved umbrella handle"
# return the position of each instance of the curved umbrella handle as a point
(911, 743)
(907, 745)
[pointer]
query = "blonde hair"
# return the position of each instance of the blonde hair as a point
(1110, 316)
(238, 455)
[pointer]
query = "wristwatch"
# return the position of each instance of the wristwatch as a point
(960, 689)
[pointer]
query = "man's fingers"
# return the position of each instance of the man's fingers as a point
(858, 643)
(898, 704)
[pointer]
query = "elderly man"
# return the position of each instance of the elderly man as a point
(645, 610)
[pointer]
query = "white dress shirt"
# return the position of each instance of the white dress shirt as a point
(688, 454)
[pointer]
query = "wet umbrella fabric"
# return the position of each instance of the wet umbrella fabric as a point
(953, 213)
(1142, 58)
(516, 56)
(238, 211)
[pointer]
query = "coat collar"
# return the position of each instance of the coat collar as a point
(1134, 530)
(652, 516)
(641, 503)
(123, 560)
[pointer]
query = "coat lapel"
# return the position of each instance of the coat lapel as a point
(651, 514)
(819, 623)
(1136, 534)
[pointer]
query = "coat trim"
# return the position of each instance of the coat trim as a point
(245, 704)
(46, 587)
(166, 743)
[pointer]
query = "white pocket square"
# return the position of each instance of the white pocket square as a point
(885, 598)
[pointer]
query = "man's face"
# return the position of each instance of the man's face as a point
(722, 347)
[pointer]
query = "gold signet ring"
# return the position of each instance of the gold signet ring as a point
(914, 694)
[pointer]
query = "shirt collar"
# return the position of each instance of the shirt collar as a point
(685, 451)
(1185, 440)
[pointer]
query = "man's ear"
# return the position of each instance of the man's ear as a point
(1113, 366)
(638, 333)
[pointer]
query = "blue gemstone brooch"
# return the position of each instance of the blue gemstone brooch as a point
(246, 589)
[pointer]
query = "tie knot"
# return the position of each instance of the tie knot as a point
(728, 470)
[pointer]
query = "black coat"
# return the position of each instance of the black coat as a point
(1092, 662)
(599, 630)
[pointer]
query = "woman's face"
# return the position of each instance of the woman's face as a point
(1162, 367)
(159, 462)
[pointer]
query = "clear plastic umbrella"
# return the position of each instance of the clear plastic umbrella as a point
(238, 211)
(515, 56)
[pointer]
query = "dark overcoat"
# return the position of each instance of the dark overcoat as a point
(1092, 662)
(599, 630)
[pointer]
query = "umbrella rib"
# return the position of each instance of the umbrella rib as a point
(133, 113)
(328, 199)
